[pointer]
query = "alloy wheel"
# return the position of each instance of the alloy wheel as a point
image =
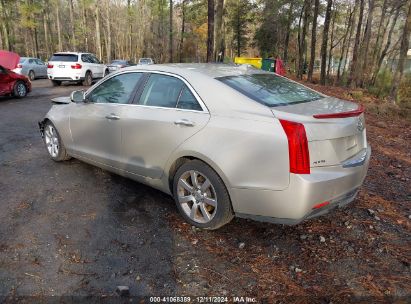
(197, 196)
(52, 141)
(21, 89)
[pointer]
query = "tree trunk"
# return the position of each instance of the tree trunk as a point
(313, 40)
(108, 39)
(210, 30)
(366, 43)
(183, 23)
(73, 35)
(352, 81)
(170, 44)
(303, 43)
(98, 35)
(325, 41)
(60, 45)
(403, 55)
(218, 33)
(333, 17)
(378, 42)
(344, 43)
(84, 18)
(5, 27)
(387, 46)
(287, 35)
(46, 38)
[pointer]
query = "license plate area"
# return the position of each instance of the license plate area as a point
(62, 66)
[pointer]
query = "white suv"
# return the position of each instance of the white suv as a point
(71, 66)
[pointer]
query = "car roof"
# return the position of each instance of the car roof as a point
(213, 70)
(70, 53)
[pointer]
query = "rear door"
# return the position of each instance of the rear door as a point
(98, 67)
(40, 68)
(96, 124)
(167, 112)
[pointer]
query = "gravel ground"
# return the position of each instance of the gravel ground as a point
(71, 229)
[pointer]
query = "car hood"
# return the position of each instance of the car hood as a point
(9, 60)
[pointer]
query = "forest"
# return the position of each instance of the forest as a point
(352, 43)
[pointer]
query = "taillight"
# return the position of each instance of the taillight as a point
(297, 147)
(122, 66)
(76, 66)
(50, 66)
(19, 66)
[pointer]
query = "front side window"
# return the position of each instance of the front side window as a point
(161, 91)
(270, 89)
(118, 89)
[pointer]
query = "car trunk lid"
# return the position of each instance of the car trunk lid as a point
(335, 128)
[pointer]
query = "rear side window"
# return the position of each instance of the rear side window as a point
(270, 89)
(118, 89)
(64, 57)
(188, 101)
(161, 91)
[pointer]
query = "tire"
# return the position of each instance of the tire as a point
(56, 83)
(213, 199)
(88, 79)
(54, 144)
(19, 89)
(31, 75)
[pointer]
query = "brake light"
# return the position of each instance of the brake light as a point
(19, 66)
(50, 66)
(77, 66)
(353, 113)
(297, 147)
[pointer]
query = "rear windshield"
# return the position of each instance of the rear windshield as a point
(64, 57)
(22, 59)
(270, 89)
(145, 61)
(118, 62)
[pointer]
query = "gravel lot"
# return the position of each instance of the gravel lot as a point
(70, 229)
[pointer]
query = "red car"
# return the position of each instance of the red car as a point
(10, 82)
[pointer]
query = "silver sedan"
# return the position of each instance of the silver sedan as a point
(223, 140)
(31, 67)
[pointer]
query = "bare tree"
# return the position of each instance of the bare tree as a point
(403, 55)
(352, 81)
(325, 41)
(170, 42)
(313, 40)
(210, 30)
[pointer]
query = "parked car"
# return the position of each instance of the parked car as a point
(144, 61)
(13, 84)
(223, 140)
(82, 68)
(118, 64)
(31, 67)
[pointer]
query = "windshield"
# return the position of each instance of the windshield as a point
(64, 57)
(270, 89)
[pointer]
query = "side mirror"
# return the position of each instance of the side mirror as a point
(77, 96)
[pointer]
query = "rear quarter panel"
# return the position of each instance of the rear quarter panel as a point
(245, 153)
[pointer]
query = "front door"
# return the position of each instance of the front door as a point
(96, 124)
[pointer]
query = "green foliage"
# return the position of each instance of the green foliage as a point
(382, 85)
(240, 15)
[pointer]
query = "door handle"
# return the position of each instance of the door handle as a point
(112, 117)
(184, 122)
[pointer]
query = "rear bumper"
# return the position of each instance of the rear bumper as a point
(337, 185)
